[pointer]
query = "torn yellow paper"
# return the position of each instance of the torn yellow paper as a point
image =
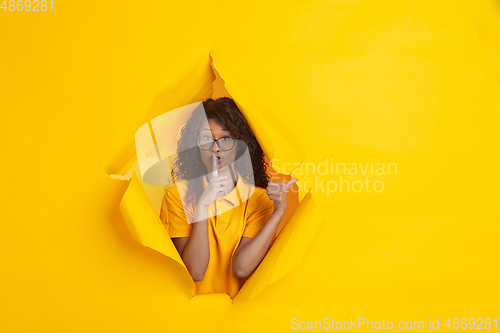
(273, 138)
(144, 223)
(141, 212)
(285, 254)
(141, 203)
(288, 250)
(156, 142)
(191, 80)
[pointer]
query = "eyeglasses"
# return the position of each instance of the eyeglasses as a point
(224, 143)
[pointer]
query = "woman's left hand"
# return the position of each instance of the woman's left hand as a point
(277, 192)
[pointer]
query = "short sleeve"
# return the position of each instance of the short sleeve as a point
(173, 216)
(260, 214)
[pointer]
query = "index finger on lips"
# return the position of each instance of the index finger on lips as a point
(215, 171)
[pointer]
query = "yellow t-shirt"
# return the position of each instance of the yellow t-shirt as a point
(234, 217)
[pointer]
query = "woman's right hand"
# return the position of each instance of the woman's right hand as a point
(216, 186)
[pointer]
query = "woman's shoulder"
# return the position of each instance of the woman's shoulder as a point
(176, 190)
(173, 199)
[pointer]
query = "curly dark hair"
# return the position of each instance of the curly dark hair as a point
(189, 166)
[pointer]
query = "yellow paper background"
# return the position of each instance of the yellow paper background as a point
(415, 84)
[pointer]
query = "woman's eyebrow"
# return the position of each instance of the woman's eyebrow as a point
(208, 129)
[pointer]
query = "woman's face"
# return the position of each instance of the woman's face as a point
(224, 158)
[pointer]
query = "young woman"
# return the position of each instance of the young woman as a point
(222, 213)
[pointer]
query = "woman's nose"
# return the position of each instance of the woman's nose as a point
(215, 147)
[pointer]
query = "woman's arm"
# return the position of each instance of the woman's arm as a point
(195, 251)
(250, 252)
